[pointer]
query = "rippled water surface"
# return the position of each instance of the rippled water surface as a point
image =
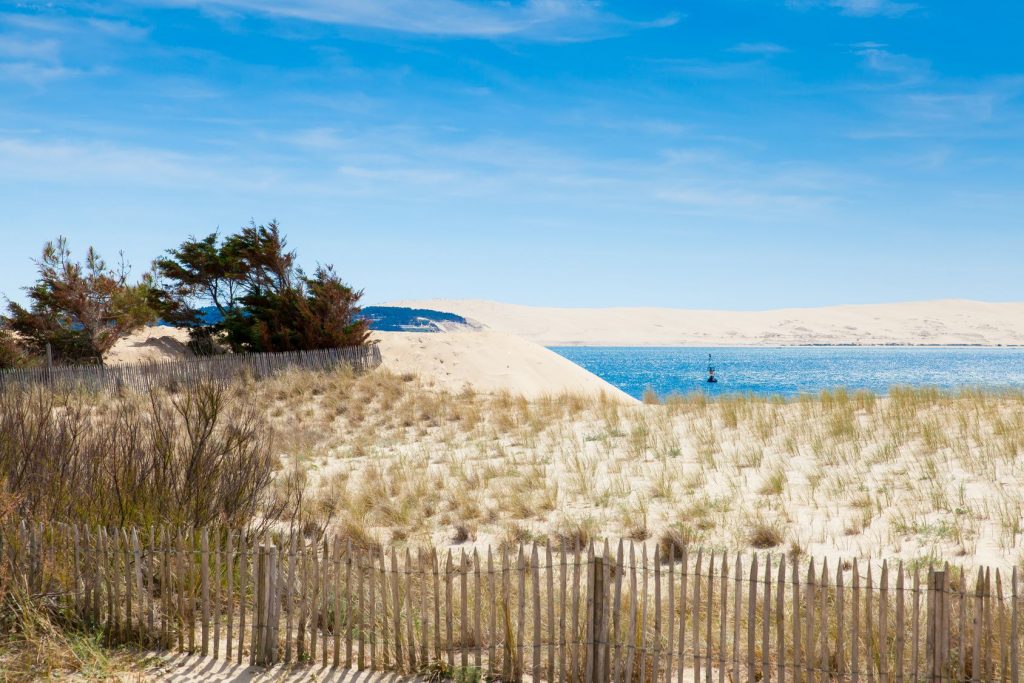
(790, 371)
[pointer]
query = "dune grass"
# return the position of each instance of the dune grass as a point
(915, 473)
(383, 459)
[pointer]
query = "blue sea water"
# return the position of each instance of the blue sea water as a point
(795, 370)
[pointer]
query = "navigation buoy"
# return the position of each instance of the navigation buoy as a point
(711, 372)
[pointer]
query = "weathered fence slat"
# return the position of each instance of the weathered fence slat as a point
(336, 588)
(550, 574)
(780, 618)
(535, 669)
(410, 633)
(449, 611)
(257, 591)
(751, 616)
(681, 645)
(349, 605)
(1014, 632)
(710, 612)
(463, 608)
(424, 611)
(324, 586)
(900, 629)
(616, 619)
(204, 578)
(216, 595)
(361, 561)
(243, 580)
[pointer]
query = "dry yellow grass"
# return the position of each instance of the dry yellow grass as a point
(918, 474)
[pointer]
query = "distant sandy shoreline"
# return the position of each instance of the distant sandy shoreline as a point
(947, 323)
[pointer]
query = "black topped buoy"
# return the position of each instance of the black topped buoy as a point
(711, 372)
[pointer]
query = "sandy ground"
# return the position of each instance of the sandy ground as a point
(950, 322)
(150, 345)
(488, 361)
(918, 476)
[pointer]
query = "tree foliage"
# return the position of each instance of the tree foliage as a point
(200, 270)
(264, 300)
(80, 309)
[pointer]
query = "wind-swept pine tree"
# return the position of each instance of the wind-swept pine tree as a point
(264, 300)
(79, 309)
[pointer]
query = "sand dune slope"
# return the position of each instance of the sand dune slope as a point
(483, 359)
(151, 344)
(949, 322)
(488, 361)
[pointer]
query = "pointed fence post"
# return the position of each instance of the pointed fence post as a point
(268, 609)
(596, 629)
(937, 653)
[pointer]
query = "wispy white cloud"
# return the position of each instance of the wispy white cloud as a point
(35, 74)
(15, 47)
(860, 8)
(719, 183)
(765, 49)
(713, 70)
(102, 163)
(947, 110)
(537, 19)
(118, 29)
(708, 180)
(413, 165)
(736, 201)
(975, 106)
(875, 57)
(870, 8)
(34, 47)
(33, 62)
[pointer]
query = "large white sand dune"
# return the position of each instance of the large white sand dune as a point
(949, 322)
(488, 361)
(485, 360)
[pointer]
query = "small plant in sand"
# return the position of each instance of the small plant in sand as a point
(763, 533)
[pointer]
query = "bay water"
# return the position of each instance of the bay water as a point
(790, 371)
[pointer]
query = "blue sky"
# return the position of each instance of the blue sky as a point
(739, 154)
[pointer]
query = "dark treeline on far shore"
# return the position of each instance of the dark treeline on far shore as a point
(265, 301)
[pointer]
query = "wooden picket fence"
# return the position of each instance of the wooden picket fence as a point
(587, 615)
(191, 371)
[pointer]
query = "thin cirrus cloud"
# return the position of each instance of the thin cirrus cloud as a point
(532, 19)
(876, 57)
(34, 47)
(869, 8)
(712, 70)
(859, 8)
(30, 61)
(764, 49)
(328, 165)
